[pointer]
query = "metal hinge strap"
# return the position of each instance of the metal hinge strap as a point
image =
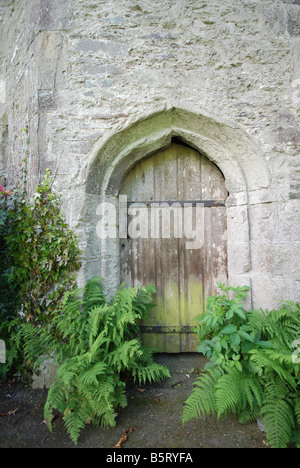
(167, 329)
(178, 203)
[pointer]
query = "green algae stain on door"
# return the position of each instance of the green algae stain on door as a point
(173, 320)
(158, 253)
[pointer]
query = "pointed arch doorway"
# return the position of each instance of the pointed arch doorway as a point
(176, 203)
(129, 142)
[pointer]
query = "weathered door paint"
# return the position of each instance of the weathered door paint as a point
(183, 277)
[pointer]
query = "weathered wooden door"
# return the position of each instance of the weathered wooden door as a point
(157, 250)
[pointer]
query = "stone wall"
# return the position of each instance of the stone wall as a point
(75, 73)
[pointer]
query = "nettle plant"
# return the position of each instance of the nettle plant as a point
(223, 330)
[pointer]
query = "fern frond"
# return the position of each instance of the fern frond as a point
(125, 319)
(125, 315)
(56, 400)
(73, 423)
(257, 321)
(281, 325)
(278, 413)
(143, 302)
(120, 395)
(249, 414)
(152, 372)
(108, 419)
(90, 376)
(278, 417)
(93, 294)
(296, 437)
(289, 312)
(236, 390)
(71, 323)
(32, 343)
(202, 401)
(275, 388)
(106, 387)
(96, 316)
(124, 355)
(297, 408)
(264, 361)
(101, 343)
(281, 355)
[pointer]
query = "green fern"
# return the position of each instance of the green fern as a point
(93, 294)
(249, 414)
(151, 372)
(278, 413)
(236, 391)
(95, 343)
(297, 408)
(202, 400)
(266, 381)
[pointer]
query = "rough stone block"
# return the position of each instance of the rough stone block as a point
(239, 257)
(48, 100)
(51, 64)
(288, 222)
(263, 222)
(55, 14)
(262, 257)
(238, 224)
(112, 49)
(46, 375)
(269, 292)
(2, 92)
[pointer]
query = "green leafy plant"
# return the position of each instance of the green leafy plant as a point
(39, 258)
(9, 300)
(44, 251)
(95, 342)
(223, 329)
(8, 295)
(266, 384)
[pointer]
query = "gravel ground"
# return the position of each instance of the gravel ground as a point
(153, 415)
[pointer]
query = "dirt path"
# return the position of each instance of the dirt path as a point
(155, 414)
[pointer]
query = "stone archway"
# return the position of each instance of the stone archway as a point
(225, 144)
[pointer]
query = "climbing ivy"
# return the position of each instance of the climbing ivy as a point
(44, 251)
(8, 294)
